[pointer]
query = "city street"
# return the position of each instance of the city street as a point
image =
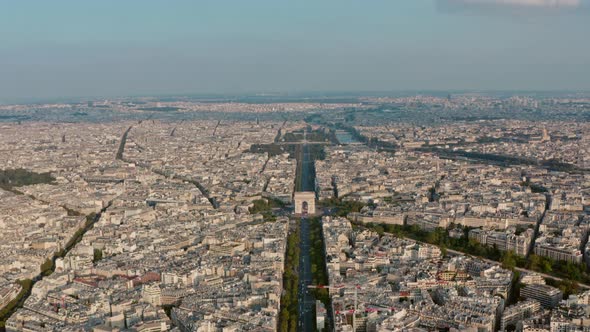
(305, 298)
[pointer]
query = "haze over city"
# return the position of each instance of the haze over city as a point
(347, 166)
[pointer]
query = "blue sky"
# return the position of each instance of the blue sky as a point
(65, 48)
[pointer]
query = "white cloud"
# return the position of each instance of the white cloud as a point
(514, 7)
(521, 3)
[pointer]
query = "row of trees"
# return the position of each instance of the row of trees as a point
(121, 149)
(27, 286)
(318, 264)
(562, 269)
(289, 311)
(48, 267)
(440, 237)
(573, 273)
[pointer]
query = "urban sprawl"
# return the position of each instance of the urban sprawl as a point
(456, 213)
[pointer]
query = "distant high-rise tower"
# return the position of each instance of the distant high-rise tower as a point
(449, 97)
(63, 138)
(546, 137)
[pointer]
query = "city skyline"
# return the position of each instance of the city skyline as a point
(370, 213)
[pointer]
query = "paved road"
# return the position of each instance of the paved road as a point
(307, 175)
(305, 298)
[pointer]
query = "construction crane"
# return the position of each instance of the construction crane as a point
(375, 309)
(329, 287)
(355, 310)
(339, 287)
(368, 310)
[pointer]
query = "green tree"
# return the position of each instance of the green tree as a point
(97, 255)
(509, 260)
(46, 267)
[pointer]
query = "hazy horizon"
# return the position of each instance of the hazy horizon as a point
(73, 49)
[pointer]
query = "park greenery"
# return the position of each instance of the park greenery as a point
(535, 188)
(372, 142)
(265, 206)
(341, 207)
(356, 135)
(281, 144)
(11, 178)
(289, 312)
(71, 212)
(97, 255)
(312, 135)
(275, 149)
(567, 287)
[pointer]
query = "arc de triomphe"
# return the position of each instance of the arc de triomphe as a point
(304, 202)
